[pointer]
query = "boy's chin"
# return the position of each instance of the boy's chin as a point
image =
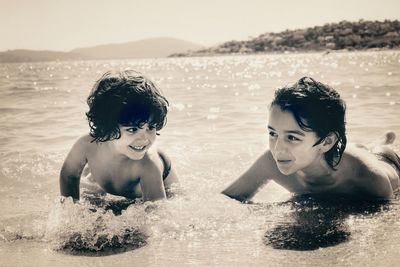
(136, 155)
(286, 171)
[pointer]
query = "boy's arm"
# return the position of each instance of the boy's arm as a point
(152, 184)
(72, 169)
(171, 183)
(171, 180)
(245, 187)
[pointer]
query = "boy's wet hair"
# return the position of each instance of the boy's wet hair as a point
(124, 98)
(319, 108)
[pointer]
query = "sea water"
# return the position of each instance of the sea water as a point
(216, 128)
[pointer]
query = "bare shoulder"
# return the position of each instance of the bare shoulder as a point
(84, 141)
(361, 159)
(77, 157)
(81, 145)
(367, 172)
(80, 148)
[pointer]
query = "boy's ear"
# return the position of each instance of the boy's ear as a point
(329, 141)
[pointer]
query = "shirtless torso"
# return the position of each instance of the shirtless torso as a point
(117, 174)
(360, 174)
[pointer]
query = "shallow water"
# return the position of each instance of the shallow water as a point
(216, 128)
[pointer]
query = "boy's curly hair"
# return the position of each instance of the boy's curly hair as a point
(124, 98)
(319, 108)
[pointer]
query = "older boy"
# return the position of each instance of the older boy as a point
(307, 150)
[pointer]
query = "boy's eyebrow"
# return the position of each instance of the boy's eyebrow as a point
(295, 132)
(290, 131)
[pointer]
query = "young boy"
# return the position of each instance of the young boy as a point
(307, 150)
(125, 112)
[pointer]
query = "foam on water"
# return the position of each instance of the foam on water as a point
(84, 229)
(102, 225)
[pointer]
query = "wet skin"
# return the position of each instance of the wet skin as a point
(295, 161)
(129, 166)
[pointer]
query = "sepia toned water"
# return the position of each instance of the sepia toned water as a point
(216, 128)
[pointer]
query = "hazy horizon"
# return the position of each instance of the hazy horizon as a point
(65, 25)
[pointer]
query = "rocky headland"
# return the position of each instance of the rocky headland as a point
(345, 35)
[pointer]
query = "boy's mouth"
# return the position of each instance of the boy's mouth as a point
(283, 161)
(137, 148)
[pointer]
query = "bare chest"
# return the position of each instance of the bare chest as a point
(117, 177)
(330, 184)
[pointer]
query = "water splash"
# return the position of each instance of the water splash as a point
(84, 229)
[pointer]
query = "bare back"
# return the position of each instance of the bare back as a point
(359, 174)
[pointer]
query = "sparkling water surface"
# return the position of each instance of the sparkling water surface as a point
(216, 128)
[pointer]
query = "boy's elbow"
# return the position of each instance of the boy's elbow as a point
(236, 196)
(69, 185)
(155, 197)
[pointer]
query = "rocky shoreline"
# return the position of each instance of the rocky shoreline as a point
(361, 35)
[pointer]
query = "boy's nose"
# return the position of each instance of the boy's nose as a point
(280, 146)
(142, 135)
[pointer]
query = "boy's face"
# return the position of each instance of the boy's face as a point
(135, 141)
(292, 148)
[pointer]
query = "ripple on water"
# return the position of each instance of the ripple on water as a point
(314, 223)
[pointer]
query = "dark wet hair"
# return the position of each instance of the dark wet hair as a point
(124, 98)
(319, 108)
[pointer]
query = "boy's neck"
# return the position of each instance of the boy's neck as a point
(318, 173)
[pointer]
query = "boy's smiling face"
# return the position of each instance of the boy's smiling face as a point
(292, 148)
(135, 141)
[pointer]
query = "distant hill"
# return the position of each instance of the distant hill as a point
(24, 55)
(333, 36)
(148, 48)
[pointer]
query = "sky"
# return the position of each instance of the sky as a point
(62, 25)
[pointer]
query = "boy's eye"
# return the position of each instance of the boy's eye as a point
(152, 127)
(132, 130)
(293, 138)
(273, 134)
